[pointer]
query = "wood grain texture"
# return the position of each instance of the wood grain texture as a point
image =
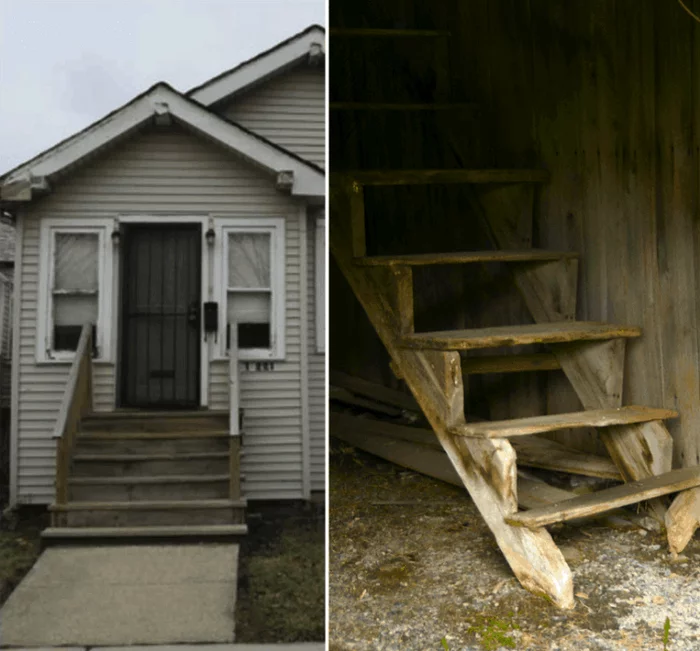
(509, 363)
(549, 423)
(609, 499)
(544, 333)
(442, 176)
(467, 257)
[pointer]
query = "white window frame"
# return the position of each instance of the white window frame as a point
(49, 228)
(320, 284)
(275, 227)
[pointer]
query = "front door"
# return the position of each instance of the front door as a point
(161, 307)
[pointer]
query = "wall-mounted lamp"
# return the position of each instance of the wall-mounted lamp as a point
(116, 234)
(210, 236)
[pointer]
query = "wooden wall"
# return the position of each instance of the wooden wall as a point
(605, 94)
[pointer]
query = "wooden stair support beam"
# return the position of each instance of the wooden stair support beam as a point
(520, 335)
(609, 499)
(487, 468)
(484, 364)
(553, 422)
(682, 519)
(464, 257)
(639, 450)
(373, 390)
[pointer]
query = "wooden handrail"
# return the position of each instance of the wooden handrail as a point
(234, 410)
(76, 404)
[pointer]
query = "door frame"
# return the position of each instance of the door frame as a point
(206, 291)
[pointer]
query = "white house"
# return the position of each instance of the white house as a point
(163, 226)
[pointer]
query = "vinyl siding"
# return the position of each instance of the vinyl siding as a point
(290, 110)
(171, 172)
(317, 373)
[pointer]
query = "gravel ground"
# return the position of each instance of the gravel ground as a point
(413, 566)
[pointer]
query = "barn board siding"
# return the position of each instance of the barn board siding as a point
(171, 172)
(288, 109)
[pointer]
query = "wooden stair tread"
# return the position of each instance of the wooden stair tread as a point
(553, 422)
(153, 479)
(153, 414)
(185, 456)
(608, 499)
(384, 32)
(403, 106)
(112, 436)
(466, 257)
(483, 364)
(445, 176)
(162, 531)
(518, 335)
(148, 505)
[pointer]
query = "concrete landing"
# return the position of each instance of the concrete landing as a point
(124, 595)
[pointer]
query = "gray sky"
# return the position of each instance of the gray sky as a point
(66, 63)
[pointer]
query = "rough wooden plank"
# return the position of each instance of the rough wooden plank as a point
(509, 363)
(466, 257)
(487, 468)
(428, 177)
(552, 422)
(373, 390)
(397, 32)
(356, 197)
(609, 499)
(346, 397)
(401, 294)
(403, 106)
(544, 333)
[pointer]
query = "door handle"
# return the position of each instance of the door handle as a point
(193, 314)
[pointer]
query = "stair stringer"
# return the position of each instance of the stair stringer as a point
(486, 467)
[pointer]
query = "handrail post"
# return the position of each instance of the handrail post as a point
(234, 409)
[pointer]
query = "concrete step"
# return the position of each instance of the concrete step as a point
(151, 513)
(202, 532)
(151, 443)
(156, 421)
(140, 465)
(154, 488)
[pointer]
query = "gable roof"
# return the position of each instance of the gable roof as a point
(306, 46)
(158, 103)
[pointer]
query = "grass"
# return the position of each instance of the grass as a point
(19, 550)
(282, 578)
(493, 633)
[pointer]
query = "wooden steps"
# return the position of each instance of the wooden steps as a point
(468, 257)
(553, 422)
(539, 333)
(609, 499)
(443, 176)
(147, 488)
(204, 532)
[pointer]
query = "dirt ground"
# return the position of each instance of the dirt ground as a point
(413, 566)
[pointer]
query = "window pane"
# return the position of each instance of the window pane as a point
(249, 260)
(248, 307)
(76, 261)
(74, 310)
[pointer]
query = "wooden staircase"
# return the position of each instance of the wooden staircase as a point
(149, 475)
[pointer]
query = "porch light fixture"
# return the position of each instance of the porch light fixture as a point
(116, 235)
(211, 236)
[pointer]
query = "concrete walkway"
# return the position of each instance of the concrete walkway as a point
(120, 596)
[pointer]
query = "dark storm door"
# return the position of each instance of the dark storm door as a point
(161, 290)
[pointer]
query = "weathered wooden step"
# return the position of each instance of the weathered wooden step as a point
(608, 499)
(445, 176)
(154, 488)
(155, 421)
(519, 335)
(517, 363)
(183, 463)
(56, 534)
(465, 257)
(148, 513)
(553, 422)
(145, 443)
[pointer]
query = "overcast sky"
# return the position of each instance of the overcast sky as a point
(66, 63)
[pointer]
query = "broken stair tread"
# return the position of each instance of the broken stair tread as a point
(608, 499)
(154, 479)
(553, 422)
(464, 257)
(445, 176)
(148, 505)
(156, 531)
(518, 335)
